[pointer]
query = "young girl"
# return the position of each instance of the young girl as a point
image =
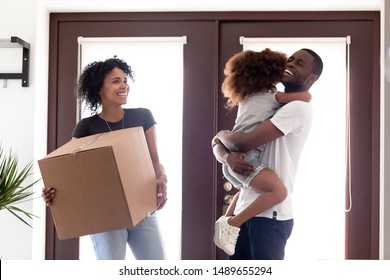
(250, 79)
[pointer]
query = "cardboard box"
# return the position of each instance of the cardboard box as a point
(104, 182)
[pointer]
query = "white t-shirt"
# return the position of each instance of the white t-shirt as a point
(282, 155)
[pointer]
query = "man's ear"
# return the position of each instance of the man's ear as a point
(312, 78)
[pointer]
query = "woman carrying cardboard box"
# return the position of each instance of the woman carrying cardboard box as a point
(105, 84)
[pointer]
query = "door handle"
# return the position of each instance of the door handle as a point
(227, 199)
(227, 186)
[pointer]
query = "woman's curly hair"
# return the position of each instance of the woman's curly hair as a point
(91, 80)
(249, 71)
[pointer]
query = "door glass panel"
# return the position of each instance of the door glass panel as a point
(319, 190)
(158, 67)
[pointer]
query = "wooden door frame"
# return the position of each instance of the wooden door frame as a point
(365, 213)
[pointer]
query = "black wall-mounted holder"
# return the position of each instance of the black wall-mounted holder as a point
(16, 42)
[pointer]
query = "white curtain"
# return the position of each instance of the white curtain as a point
(157, 63)
(319, 191)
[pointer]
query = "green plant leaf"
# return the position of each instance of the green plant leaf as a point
(13, 210)
(11, 190)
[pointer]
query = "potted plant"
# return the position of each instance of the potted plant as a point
(12, 191)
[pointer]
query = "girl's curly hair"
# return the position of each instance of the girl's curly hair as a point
(249, 71)
(92, 78)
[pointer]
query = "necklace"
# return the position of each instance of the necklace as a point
(123, 121)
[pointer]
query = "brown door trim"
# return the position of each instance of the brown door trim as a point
(218, 16)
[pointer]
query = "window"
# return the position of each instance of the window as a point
(319, 190)
(157, 63)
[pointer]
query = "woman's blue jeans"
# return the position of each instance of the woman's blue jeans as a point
(144, 240)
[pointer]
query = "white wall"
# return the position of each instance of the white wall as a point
(385, 135)
(17, 121)
(23, 110)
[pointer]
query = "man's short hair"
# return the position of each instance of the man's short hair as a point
(318, 64)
